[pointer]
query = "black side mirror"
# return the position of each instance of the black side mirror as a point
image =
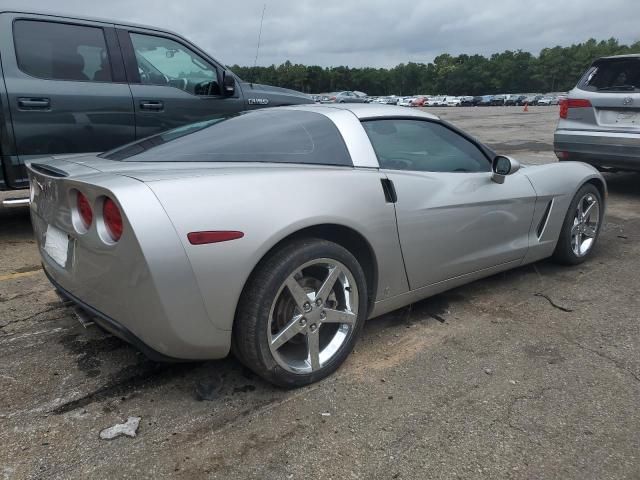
(228, 84)
(503, 166)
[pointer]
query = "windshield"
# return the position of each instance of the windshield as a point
(277, 136)
(613, 75)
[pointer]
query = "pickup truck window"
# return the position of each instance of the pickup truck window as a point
(162, 61)
(61, 51)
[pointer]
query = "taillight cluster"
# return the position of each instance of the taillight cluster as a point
(567, 103)
(110, 221)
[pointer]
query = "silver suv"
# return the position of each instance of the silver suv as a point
(600, 119)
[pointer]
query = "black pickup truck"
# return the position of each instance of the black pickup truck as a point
(76, 85)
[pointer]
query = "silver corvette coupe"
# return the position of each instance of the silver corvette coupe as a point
(276, 233)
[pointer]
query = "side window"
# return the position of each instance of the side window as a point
(61, 51)
(162, 61)
(423, 146)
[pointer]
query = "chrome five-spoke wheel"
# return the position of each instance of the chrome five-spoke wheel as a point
(581, 226)
(301, 312)
(586, 222)
(313, 315)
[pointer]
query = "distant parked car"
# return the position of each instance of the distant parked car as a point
(345, 97)
(467, 101)
(498, 100)
(405, 101)
(548, 101)
(485, 101)
(600, 119)
(418, 102)
(514, 100)
(452, 101)
(436, 102)
(532, 99)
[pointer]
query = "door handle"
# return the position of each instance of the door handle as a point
(151, 105)
(34, 103)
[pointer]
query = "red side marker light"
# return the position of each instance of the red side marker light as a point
(201, 238)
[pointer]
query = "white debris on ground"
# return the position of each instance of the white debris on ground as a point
(129, 429)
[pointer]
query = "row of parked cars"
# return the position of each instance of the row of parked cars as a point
(442, 100)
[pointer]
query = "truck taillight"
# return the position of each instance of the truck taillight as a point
(112, 219)
(567, 103)
(84, 209)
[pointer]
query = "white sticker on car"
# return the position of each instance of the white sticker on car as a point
(56, 244)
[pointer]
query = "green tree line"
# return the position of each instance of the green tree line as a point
(554, 69)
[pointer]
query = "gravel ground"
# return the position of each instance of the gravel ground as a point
(530, 374)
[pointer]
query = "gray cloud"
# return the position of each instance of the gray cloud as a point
(366, 33)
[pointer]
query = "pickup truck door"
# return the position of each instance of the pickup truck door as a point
(172, 82)
(452, 218)
(66, 88)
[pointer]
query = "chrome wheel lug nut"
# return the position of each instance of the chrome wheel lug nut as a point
(319, 302)
(307, 307)
(323, 315)
(313, 327)
(303, 322)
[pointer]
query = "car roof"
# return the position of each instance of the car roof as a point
(630, 55)
(62, 15)
(367, 110)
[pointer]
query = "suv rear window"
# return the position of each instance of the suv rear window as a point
(275, 136)
(612, 75)
(61, 51)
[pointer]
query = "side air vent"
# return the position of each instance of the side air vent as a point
(389, 190)
(49, 170)
(545, 218)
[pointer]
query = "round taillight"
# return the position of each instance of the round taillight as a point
(112, 219)
(84, 209)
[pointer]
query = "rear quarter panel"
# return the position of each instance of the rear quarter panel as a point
(268, 205)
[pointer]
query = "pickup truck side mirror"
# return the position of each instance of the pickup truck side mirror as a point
(228, 84)
(503, 166)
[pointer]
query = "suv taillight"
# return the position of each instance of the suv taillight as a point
(112, 219)
(567, 103)
(84, 209)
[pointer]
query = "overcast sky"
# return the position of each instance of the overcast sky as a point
(378, 33)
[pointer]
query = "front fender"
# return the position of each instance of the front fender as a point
(555, 184)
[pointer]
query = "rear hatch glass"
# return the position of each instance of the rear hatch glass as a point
(612, 75)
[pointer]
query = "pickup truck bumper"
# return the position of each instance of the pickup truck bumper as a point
(14, 198)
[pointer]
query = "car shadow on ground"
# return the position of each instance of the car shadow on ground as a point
(625, 184)
(15, 224)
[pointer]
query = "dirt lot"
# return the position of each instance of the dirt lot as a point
(491, 380)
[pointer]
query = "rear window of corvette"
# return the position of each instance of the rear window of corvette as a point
(275, 136)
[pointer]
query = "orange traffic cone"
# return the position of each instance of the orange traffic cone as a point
(526, 107)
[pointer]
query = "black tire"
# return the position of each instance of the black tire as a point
(250, 333)
(564, 253)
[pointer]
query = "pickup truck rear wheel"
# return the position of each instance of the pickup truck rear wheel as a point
(301, 312)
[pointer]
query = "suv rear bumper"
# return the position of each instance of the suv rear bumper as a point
(598, 148)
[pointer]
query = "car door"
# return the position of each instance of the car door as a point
(452, 218)
(66, 87)
(172, 83)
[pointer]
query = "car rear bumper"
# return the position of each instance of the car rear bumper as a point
(112, 325)
(601, 149)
